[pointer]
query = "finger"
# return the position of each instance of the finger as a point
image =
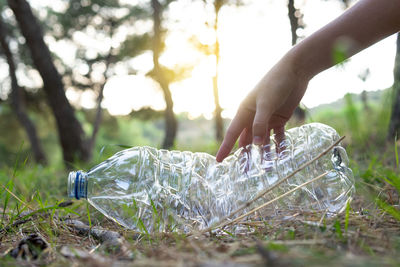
(267, 137)
(245, 137)
(239, 122)
(260, 125)
(267, 146)
(279, 134)
(279, 137)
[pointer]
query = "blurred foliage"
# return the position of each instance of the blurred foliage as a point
(178, 73)
(340, 51)
(135, 45)
(142, 127)
(94, 14)
(351, 118)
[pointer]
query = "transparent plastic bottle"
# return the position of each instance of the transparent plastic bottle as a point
(149, 190)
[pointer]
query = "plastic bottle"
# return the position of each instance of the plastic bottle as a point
(149, 190)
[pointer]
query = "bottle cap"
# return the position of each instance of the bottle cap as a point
(77, 185)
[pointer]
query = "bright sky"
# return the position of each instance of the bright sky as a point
(253, 38)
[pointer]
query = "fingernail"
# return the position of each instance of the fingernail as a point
(257, 140)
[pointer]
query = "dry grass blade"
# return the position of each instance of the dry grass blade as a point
(309, 242)
(272, 201)
(17, 198)
(266, 191)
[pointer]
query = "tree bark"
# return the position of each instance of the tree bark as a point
(17, 100)
(219, 124)
(294, 22)
(70, 131)
(394, 125)
(170, 120)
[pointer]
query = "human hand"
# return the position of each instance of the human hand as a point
(267, 107)
(271, 103)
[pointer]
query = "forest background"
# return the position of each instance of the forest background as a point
(62, 62)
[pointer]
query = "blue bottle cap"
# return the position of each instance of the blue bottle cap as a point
(77, 185)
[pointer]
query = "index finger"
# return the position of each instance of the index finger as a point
(242, 119)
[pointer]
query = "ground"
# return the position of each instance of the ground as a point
(55, 236)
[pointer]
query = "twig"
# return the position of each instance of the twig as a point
(15, 224)
(299, 242)
(264, 192)
(112, 241)
(271, 201)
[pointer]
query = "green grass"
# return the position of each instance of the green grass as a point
(396, 152)
(33, 202)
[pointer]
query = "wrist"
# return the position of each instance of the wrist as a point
(297, 66)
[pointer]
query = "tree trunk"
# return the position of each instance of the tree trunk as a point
(170, 120)
(99, 110)
(97, 120)
(70, 131)
(219, 124)
(17, 100)
(294, 22)
(394, 126)
(299, 114)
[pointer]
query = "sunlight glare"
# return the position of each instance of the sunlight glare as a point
(124, 93)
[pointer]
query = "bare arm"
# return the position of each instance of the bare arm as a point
(366, 23)
(271, 103)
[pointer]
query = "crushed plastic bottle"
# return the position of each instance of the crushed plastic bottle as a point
(149, 190)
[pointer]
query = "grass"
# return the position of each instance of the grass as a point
(366, 233)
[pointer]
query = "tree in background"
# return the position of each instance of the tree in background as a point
(364, 75)
(98, 21)
(70, 131)
(17, 98)
(159, 73)
(219, 124)
(163, 75)
(214, 49)
(394, 125)
(296, 22)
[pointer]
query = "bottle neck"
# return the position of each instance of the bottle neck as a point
(77, 184)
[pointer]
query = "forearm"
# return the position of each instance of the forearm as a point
(364, 24)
